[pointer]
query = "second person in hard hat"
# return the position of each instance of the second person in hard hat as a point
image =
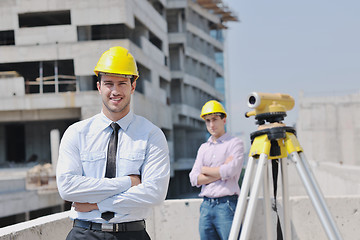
(217, 170)
(114, 166)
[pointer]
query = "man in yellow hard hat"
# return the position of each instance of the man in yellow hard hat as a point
(113, 166)
(217, 170)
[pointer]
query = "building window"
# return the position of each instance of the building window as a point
(165, 85)
(176, 91)
(219, 58)
(44, 76)
(158, 6)
(51, 76)
(87, 83)
(220, 85)
(7, 37)
(217, 34)
(144, 75)
(103, 32)
(15, 144)
(38, 19)
(155, 40)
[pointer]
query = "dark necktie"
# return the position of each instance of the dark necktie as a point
(111, 162)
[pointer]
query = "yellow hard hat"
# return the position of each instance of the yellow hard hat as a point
(212, 106)
(117, 60)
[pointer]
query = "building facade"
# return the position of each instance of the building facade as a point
(196, 49)
(48, 50)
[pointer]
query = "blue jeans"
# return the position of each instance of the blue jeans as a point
(216, 216)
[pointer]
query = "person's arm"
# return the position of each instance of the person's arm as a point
(196, 177)
(203, 179)
(72, 185)
(214, 172)
(233, 168)
(88, 207)
(211, 174)
(155, 175)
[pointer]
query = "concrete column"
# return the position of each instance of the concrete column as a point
(62, 207)
(27, 216)
(56, 73)
(54, 142)
(180, 22)
(41, 71)
(182, 58)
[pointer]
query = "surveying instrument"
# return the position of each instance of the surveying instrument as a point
(275, 141)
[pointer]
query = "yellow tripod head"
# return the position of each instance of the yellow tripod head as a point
(270, 138)
(270, 107)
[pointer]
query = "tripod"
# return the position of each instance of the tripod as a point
(277, 141)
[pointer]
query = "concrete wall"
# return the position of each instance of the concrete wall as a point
(12, 87)
(329, 129)
(25, 201)
(329, 132)
(16, 199)
(334, 179)
(178, 219)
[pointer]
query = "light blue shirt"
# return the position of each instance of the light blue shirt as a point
(142, 150)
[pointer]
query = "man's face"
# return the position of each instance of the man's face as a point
(116, 93)
(215, 125)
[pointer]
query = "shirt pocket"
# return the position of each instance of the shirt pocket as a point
(93, 163)
(130, 163)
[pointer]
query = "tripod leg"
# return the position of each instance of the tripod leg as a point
(249, 216)
(242, 200)
(320, 195)
(285, 199)
(316, 196)
(267, 203)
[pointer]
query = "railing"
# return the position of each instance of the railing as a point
(178, 219)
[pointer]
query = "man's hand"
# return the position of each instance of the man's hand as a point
(205, 179)
(135, 180)
(85, 207)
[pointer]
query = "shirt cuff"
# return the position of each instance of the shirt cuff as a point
(222, 171)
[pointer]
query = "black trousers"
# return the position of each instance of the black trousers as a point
(78, 233)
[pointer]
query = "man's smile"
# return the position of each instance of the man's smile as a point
(116, 99)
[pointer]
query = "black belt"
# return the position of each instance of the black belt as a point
(111, 227)
(221, 199)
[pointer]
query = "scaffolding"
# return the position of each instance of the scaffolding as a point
(221, 9)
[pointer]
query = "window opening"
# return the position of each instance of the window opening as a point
(7, 37)
(15, 143)
(38, 19)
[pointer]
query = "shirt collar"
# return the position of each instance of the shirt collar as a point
(126, 120)
(123, 122)
(220, 139)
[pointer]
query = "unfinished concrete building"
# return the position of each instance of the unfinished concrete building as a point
(48, 50)
(196, 52)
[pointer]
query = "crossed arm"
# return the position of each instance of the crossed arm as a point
(92, 193)
(88, 207)
(210, 174)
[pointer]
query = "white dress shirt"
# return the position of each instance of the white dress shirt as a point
(142, 150)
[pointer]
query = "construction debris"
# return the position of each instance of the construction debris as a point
(41, 177)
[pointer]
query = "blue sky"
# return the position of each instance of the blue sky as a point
(288, 47)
